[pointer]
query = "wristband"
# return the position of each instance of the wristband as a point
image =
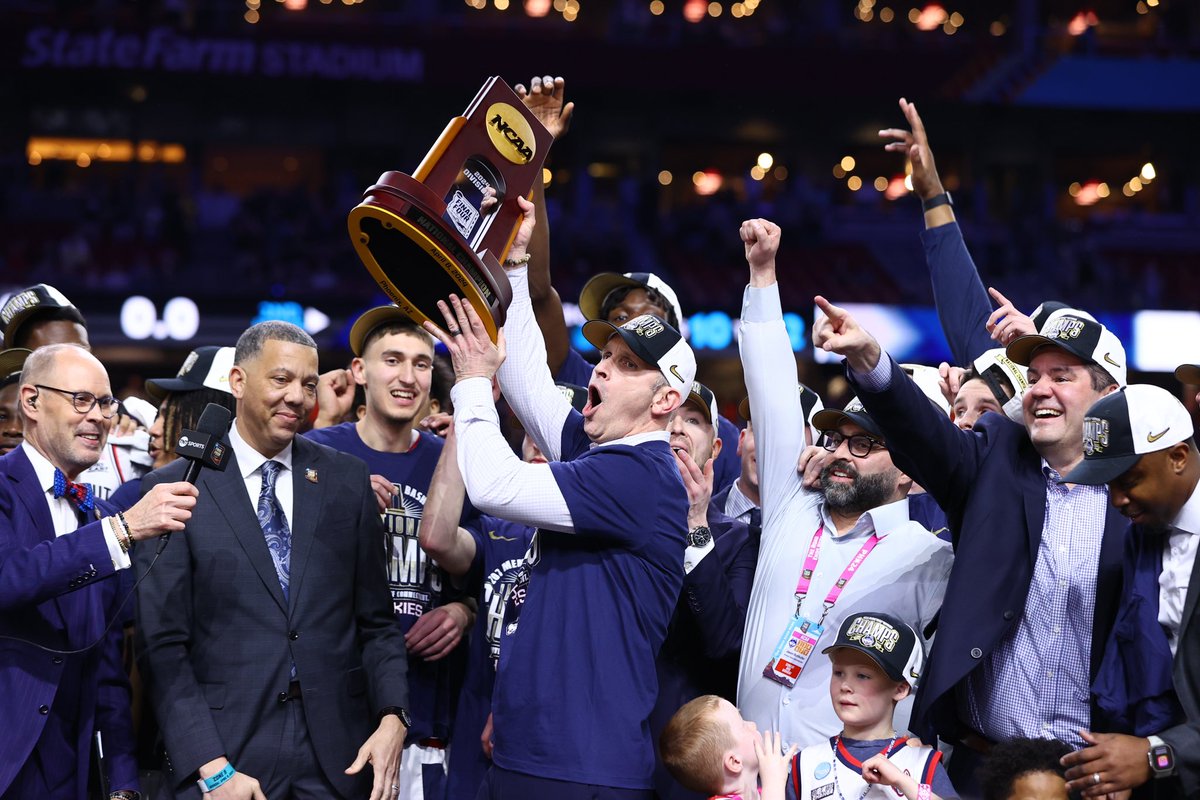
(924, 791)
(943, 199)
(517, 262)
(213, 782)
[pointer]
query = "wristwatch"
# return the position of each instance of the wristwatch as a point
(402, 713)
(1161, 757)
(943, 199)
(699, 536)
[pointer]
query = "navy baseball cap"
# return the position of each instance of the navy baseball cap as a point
(1123, 426)
(205, 367)
(655, 342)
(830, 418)
(890, 643)
(596, 290)
(704, 399)
(1078, 333)
(22, 305)
(12, 361)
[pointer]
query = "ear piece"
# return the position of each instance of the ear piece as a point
(32, 402)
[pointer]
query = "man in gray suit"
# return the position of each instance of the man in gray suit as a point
(1140, 442)
(273, 660)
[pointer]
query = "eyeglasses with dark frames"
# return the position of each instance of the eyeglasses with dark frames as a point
(83, 402)
(860, 445)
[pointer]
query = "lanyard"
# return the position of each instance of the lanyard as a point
(810, 566)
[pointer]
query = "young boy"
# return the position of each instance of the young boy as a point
(709, 748)
(876, 662)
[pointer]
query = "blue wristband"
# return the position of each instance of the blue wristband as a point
(212, 782)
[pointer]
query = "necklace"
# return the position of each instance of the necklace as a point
(837, 740)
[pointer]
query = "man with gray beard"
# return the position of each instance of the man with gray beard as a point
(827, 555)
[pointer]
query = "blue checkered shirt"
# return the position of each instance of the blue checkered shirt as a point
(1037, 682)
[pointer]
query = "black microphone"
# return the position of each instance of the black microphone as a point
(203, 447)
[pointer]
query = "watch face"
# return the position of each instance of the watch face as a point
(699, 537)
(1161, 758)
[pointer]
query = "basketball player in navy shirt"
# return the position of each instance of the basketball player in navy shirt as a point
(576, 679)
(394, 360)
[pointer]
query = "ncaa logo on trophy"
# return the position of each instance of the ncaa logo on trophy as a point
(424, 236)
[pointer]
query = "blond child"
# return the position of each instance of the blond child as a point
(709, 748)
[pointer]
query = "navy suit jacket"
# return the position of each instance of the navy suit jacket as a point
(57, 591)
(219, 638)
(704, 642)
(1185, 738)
(990, 483)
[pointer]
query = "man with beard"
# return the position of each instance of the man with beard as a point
(824, 556)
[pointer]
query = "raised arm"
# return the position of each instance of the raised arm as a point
(545, 99)
(770, 371)
(958, 293)
(440, 535)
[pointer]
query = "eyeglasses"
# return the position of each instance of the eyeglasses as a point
(860, 445)
(84, 402)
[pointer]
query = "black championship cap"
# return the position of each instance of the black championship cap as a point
(1079, 334)
(1123, 426)
(890, 643)
(653, 341)
(703, 398)
(830, 418)
(22, 305)
(205, 367)
(12, 361)
(591, 299)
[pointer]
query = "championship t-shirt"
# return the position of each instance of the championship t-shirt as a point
(500, 548)
(577, 370)
(576, 680)
(416, 582)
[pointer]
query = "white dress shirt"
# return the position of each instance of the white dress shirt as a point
(250, 463)
(1179, 558)
(737, 505)
(905, 575)
(62, 513)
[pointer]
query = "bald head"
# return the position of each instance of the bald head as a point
(55, 381)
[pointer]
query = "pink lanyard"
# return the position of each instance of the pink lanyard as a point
(810, 566)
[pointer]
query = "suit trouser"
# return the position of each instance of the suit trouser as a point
(503, 784)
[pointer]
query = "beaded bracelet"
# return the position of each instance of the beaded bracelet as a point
(518, 262)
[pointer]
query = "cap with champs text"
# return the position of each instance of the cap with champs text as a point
(204, 368)
(597, 290)
(22, 305)
(653, 341)
(1123, 426)
(890, 643)
(1078, 333)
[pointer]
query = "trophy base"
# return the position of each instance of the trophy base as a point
(400, 235)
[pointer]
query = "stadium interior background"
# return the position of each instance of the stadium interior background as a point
(182, 168)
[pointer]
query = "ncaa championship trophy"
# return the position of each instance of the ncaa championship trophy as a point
(423, 236)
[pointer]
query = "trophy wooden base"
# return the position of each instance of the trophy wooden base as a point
(399, 232)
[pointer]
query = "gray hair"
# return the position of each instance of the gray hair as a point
(251, 342)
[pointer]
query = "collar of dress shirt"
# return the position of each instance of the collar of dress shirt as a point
(249, 460)
(41, 466)
(881, 519)
(737, 503)
(638, 438)
(1188, 519)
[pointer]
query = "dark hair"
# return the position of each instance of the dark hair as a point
(23, 332)
(614, 298)
(397, 326)
(182, 410)
(1101, 378)
(251, 342)
(1009, 760)
(441, 382)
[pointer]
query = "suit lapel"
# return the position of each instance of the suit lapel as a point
(228, 491)
(33, 498)
(307, 500)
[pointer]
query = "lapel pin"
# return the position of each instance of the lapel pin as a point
(310, 475)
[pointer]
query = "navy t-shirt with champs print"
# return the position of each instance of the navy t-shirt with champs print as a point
(416, 582)
(576, 680)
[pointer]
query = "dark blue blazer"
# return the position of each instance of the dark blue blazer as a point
(704, 642)
(56, 591)
(990, 483)
(219, 638)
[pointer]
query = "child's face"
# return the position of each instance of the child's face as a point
(742, 732)
(862, 693)
(1039, 786)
